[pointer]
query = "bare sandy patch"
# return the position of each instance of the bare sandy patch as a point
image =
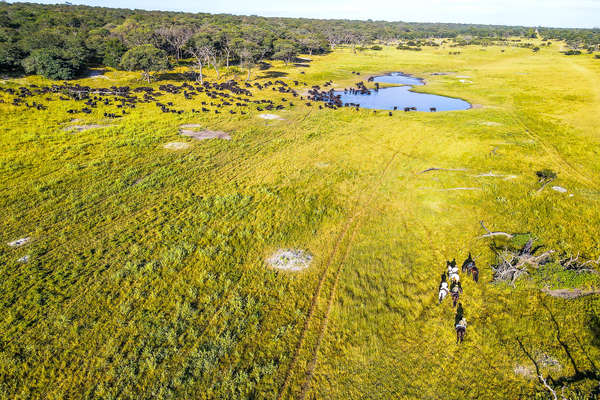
(491, 123)
(19, 242)
(525, 372)
(176, 145)
(290, 260)
(81, 128)
(270, 116)
(202, 135)
(559, 189)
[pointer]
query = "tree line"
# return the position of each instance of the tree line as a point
(62, 41)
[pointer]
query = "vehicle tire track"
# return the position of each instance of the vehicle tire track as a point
(323, 329)
(312, 308)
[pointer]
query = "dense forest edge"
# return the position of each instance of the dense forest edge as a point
(64, 41)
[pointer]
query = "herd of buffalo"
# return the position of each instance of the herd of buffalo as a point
(227, 96)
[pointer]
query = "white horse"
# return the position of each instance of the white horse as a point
(443, 292)
(454, 277)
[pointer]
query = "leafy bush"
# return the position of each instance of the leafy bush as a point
(376, 47)
(546, 175)
(10, 57)
(113, 52)
(51, 64)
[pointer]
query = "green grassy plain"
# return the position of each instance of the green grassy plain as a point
(147, 274)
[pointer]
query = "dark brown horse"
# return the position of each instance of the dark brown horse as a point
(461, 331)
(455, 295)
(455, 292)
(470, 268)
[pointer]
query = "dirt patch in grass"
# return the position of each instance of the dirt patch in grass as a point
(81, 128)
(476, 106)
(176, 145)
(19, 242)
(525, 372)
(290, 260)
(193, 131)
(489, 123)
(202, 135)
(270, 116)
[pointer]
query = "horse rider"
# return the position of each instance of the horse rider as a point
(461, 330)
(443, 291)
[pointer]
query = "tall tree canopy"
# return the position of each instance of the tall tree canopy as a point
(145, 58)
(61, 41)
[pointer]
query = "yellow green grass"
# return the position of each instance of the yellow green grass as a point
(147, 274)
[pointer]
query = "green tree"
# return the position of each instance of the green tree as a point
(285, 50)
(145, 58)
(49, 63)
(202, 48)
(113, 51)
(248, 52)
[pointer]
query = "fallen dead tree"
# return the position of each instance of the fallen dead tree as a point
(575, 264)
(512, 264)
(516, 262)
(492, 234)
(441, 169)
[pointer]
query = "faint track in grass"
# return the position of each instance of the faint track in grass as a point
(313, 305)
(324, 323)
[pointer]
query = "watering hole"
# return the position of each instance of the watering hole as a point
(401, 96)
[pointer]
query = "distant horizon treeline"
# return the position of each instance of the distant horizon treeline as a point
(62, 41)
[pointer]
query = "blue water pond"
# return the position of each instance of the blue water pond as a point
(402, 96)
